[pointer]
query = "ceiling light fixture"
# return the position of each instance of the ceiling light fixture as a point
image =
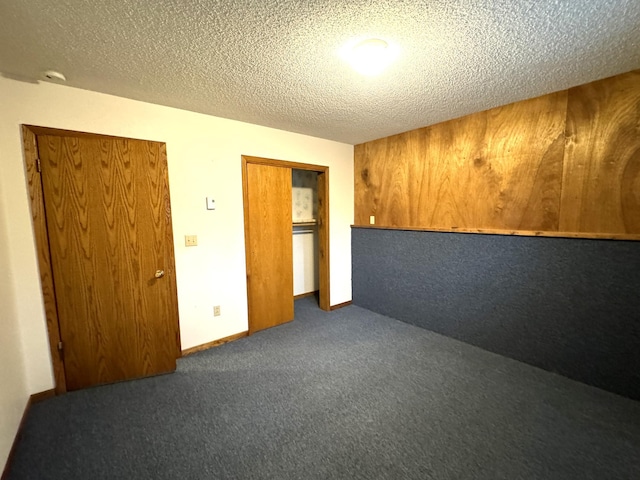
(370, 57)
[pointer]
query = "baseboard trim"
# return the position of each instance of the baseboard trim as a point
(304, 295)
(39, 397)
(215, 343)
(35, 398)
(340, 305)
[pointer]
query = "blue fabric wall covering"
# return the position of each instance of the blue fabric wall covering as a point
(570, 306)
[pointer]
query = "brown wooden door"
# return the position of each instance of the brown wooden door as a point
(109, 226)
(268, 236)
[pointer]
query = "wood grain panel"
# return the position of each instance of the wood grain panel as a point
(324, 271)
(269, 245)
(566, 162)
(324, 287)
(524, 151)
(108, 223)
(602, 158)
(449, 149)
(39, 220)
(496, 169)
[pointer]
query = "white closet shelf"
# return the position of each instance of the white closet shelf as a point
(306, 223)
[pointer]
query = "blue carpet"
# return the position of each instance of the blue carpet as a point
(347, 394)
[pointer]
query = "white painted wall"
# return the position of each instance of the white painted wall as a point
(204, 160)
(305, 260)
(13, 385)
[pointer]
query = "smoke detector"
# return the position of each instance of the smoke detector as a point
(54, 76)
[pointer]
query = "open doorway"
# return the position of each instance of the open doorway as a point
(304, 208)
(268, 214)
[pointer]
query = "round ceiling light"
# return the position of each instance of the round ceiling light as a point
(370, 57)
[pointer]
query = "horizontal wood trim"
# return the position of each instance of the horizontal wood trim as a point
(522, 233)
(286, 164)
(340, 305)
(58, 132)
(308, 294)
(41, 396)
(215, 343)
(35, 398)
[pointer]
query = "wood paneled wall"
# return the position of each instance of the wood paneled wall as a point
(567, 162)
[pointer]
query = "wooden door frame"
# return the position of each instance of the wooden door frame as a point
(36, 198)
(324, 294)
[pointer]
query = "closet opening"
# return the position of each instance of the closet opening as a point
(304, 215)
(286, 210)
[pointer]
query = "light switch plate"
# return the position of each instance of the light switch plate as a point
(211, 203)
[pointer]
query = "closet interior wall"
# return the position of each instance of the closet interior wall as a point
(305, 231)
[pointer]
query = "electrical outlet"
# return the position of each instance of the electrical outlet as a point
(216, 311)
(190, 240)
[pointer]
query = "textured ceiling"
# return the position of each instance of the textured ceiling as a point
(276, 62)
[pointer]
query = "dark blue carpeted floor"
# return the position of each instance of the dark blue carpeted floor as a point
(347, 394)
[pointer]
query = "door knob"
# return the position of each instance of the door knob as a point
(159, 273)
